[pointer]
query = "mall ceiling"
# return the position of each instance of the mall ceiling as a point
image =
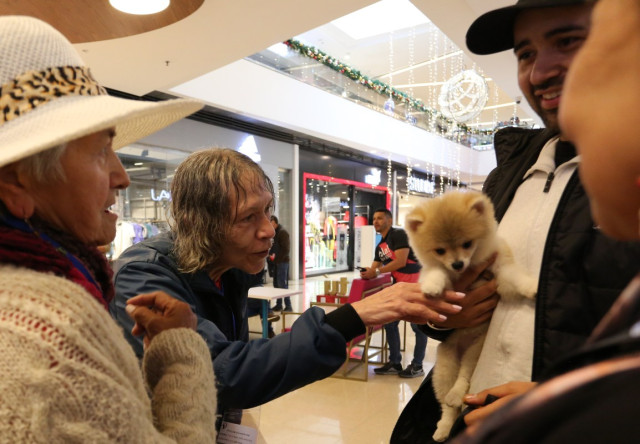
(142, 54)
(83, 21)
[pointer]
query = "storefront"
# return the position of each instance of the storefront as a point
(335, 206)
(143, 207)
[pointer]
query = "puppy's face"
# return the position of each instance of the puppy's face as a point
(447, 230)
(454, 256)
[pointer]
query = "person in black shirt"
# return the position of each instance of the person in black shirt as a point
(393, 255)
(279, 258)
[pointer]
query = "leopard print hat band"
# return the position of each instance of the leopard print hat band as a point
(49, 97)
(35, 88)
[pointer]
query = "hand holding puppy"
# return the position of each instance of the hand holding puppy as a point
(479, 300)
(504, 393)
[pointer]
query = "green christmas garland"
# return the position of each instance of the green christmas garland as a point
(377, 86)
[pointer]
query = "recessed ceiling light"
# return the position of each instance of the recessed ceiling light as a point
(140, 7)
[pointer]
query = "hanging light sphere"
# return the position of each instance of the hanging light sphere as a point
(463, 96)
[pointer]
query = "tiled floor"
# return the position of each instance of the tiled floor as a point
(338, 410)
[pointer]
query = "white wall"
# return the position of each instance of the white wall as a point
(269, 96)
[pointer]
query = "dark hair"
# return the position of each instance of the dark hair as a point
(385, 211)
(274, 219)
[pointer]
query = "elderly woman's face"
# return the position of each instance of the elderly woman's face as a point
(80, 204)
(599, 113)
(251, 233)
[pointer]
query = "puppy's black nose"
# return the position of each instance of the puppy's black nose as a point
(457, 265)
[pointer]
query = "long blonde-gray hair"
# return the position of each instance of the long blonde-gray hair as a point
(203, 192)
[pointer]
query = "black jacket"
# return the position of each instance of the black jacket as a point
(281, 246)
(582, 271)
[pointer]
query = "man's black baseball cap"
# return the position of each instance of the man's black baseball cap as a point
(493, 31)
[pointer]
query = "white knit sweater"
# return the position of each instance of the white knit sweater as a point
(68, 375)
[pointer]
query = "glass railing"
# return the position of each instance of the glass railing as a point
(305, 69)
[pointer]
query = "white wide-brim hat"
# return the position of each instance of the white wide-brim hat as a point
(48, 97)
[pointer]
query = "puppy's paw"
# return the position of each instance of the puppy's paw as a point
(513, 281)
(433, 283)
(442, 432)
(528, 287)
(432, 288)
(454, 397)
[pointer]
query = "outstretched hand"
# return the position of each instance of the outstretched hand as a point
(402, 301)
(157, 311)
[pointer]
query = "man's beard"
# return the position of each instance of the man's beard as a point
(549, 116)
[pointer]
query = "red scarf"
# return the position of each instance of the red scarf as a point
(24, 249)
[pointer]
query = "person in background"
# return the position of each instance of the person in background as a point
(279, 257)
(580, 270)
(66, 372)
(587, 396)
(221, 232)
(394, 255)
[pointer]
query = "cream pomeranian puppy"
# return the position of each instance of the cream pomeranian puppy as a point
(448, 234)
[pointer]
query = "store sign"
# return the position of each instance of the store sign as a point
(250, 149)
(420, 185)
(373, 178)
(164, 195)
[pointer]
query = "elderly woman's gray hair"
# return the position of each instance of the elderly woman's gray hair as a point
(204, 190)
(45, 166)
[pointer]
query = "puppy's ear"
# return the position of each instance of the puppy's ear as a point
(479, 205)
(413, 222)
